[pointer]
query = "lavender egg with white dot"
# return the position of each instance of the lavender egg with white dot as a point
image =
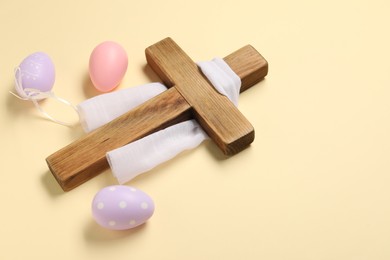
(121, 207)
(36, 72)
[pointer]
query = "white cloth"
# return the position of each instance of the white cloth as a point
(100, 110)
(143, 155)
(222, 77)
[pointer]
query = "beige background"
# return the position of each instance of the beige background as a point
(313, 185)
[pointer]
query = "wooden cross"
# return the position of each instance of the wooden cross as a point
(190, 95)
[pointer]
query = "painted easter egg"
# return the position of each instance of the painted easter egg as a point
(121, 207)
(37, 72)
(107, 66)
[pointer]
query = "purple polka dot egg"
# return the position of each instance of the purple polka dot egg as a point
(121, 207)
(36, 72)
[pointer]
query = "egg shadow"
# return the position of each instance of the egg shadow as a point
(95, 234)
(89, 89)
(22, 108)
(15, 105)
(19, 107)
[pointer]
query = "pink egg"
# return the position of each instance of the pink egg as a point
(107, 65)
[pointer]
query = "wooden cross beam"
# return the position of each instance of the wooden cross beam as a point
(190, 95)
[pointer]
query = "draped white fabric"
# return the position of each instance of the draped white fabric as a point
(100, 110)
(142, 155)
(222, 77)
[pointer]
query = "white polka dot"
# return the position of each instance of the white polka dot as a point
(132, 222)
(100, 205)
(112, 223)
(122, 204)
(144, 205)
(133, 190)
(112, 188)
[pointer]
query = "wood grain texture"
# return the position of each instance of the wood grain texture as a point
(85, 158)
(217, 115)
(249, 65)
